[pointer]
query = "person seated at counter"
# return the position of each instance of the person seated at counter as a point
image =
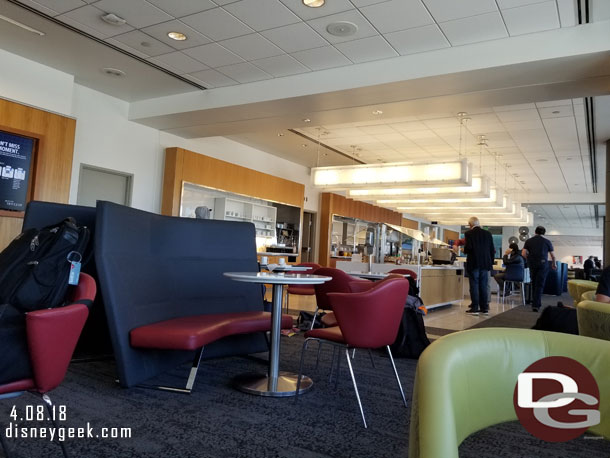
(512, 257)
(602, 294)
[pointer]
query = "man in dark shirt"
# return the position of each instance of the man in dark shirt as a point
(536, 252)
(588, 267)
(602, 294)
(480, 253)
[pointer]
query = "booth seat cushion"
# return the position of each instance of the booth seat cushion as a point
(193, 332)
(302, 290)
(593, 319)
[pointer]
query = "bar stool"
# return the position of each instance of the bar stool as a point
(515, 275)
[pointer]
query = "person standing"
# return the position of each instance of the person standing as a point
(480, 253)
(536, 252)
(588, 267)
(513, 257)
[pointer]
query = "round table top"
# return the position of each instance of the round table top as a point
(279, 278)
(286, 268)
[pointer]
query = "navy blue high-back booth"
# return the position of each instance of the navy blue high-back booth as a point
(94, 340)
(153, 268)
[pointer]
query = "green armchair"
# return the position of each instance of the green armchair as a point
(465, 382)
(577, 287)
(593, 319)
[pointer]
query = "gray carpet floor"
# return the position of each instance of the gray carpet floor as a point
(216, 421)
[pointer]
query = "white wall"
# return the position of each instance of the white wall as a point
(31, 83)
(565, 253)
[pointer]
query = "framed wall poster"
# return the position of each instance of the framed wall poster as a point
(16, 153)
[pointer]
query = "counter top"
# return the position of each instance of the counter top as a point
(435, 267)
(292, 255)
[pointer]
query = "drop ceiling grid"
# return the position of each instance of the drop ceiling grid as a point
(261, 24)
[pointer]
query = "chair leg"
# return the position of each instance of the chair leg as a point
(338, 375)
(351, 371)
(287, 300)
(305, 344)
(313, 321)
(332, 364)
(49, 404)
(372, 360)
(523, 293)
(402, 393)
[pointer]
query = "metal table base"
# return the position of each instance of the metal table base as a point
(259, 384)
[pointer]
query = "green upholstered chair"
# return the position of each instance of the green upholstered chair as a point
(593, 319)
(588, 295)
(577, 287)
(465, 382)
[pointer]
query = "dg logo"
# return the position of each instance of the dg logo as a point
(557, 399)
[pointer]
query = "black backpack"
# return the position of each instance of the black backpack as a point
(35, 267)
(411, 339)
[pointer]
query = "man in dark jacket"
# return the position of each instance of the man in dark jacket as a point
(480, 253)
(588, 267)
(536, 252)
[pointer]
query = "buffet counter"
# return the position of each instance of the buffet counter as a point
(438, 284)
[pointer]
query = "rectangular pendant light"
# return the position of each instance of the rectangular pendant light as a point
(526, 219)
(478, 188)
(450, 173)
(495, 198)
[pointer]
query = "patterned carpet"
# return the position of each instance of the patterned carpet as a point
(216, 421)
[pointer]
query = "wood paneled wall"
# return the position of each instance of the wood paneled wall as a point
(52, 165)
(334, 204)
(410, 223)
(184, 165)
(450, 235)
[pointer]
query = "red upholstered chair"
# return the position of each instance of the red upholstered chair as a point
(52, 335)
(302, 290)
(339, 284)
(404, 272)
(369, 319)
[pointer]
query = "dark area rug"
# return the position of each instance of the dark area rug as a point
(216, 421)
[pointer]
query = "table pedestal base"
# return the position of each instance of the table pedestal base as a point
(259, 384)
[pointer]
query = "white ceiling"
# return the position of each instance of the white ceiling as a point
(520, 68)
(233, 42)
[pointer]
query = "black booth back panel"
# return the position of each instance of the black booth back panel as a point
(155, 267)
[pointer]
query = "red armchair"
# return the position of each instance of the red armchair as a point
(302, 290)
(340, 283)
(368, 319)
(52, 335)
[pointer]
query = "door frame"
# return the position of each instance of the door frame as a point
(128, 176)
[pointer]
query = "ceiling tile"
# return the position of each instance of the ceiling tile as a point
(474, 29)
(321, 58)
(143, 43)
(568, 12)
(262, 14)
(295, 37)
(366, 49)
(420, 39)
(59, 6)
(179, 8)
(38, 7)
(213, 55)
(443, 11)
(523, 125)
(364, 27)
(556, 112)
(410, 126)
(251, 47)
(283, 65)
(504, 4)
(521, 106)
(377, 130)
(217, 24)
(160, 31)
(244, 72)
(212, 78)
(129, 49)
(137, 13)
(519, 115)
(361, 3)
(181, 62)
(397, 15)
(531, 18)
(555, 103)
(306, 13)
(91, 18)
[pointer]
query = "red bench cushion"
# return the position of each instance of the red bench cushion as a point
(193, 332)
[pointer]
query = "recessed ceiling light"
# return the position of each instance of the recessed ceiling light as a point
(178, 36)
(304, 145)
(556, 112)
(146, 44)
(113, 71)
(280, 134)
(314, 3)
(342, 28)
(306, 120)
(377, 112)
(113, 19)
